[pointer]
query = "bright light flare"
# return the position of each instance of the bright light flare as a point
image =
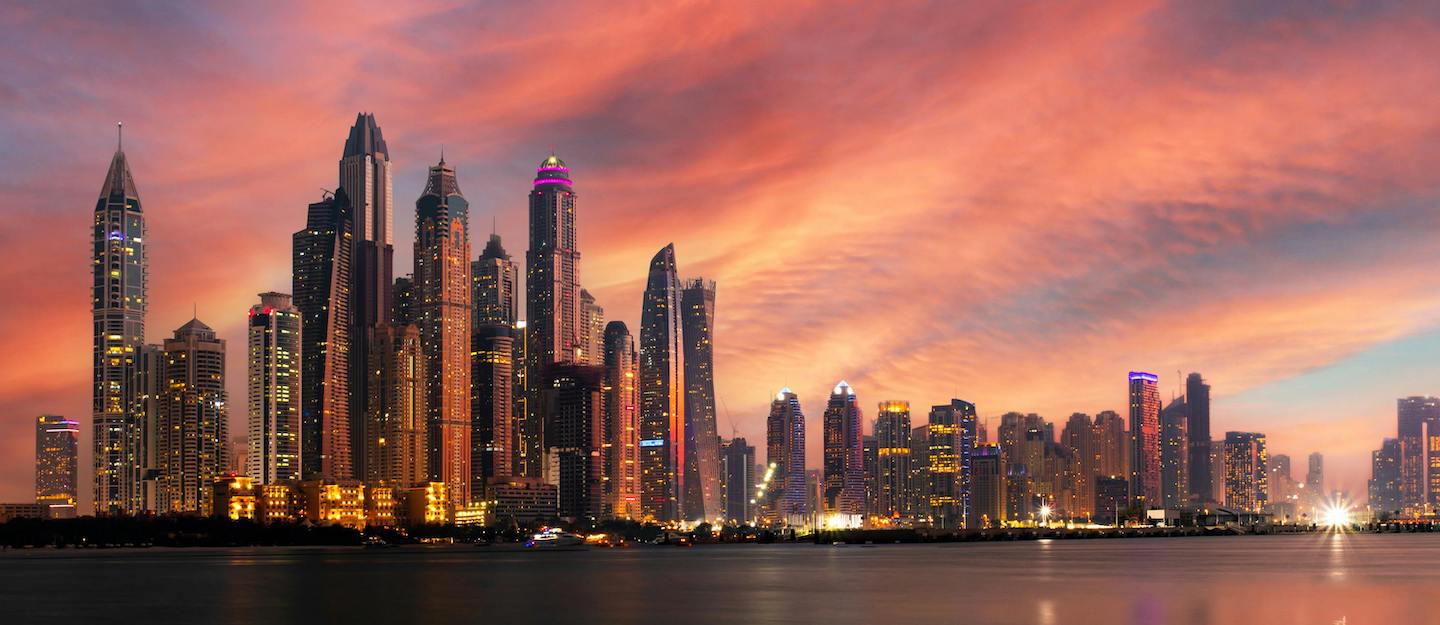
(1335, 516)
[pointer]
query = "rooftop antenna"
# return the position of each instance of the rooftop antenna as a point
(194, 310)
(119, 135)
(442, 154)
(494, 224)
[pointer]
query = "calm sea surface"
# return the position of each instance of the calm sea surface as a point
(1312, 579)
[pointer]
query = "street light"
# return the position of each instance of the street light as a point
(1045, 515)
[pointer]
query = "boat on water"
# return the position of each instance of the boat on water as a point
(550, 538)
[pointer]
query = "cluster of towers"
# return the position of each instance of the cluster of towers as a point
(359, 376)
(1405, 471)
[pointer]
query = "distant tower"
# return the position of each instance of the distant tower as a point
(1414, 417)
(1145, 434)
(495, 280)
(738, 479)
(892, 446)
(702, 443)
(321, 285)
(552, 298)
(1246, 483)
(1079, 437)
(57, 451)
(844, 487)
(785, 501)
(273, 452)
(1174, 455)
(591, 348)
(442, 285)
(622, 423)
(1315, 476)
(662, 397)
(1197, 428)
(492, 379)
(365, 177)
(118, 300)
(191, 441)
(952, 445)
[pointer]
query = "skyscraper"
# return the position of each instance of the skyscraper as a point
(1315, 475)
(844, 488)
(892, 471)
(786, 500)
(1174, 455)
(919, 494)
(57, 451)
(737, 471)
(1245, 472)
(552, 298)
(442, 309)
(988, 500)
(952, 445)
(1113, 442)
(703, 499)
(191, 429)
(118, 300)
(321, 284)
(397, 436)
(273, 435)
(1145, 437)
(572, 406)
(591, 346)
(662, 396)
(622, 423)
(1081, 438)
(495, 282)
(365, 177)
(1197, 428)
(492, 379)
(1414, 416)
(1384, 484)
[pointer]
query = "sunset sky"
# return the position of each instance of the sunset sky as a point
(1014, 203)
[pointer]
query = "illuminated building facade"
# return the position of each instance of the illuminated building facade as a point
(1246, 483)
(1080, 438)
(738, 480)
(621, 440)
(919, 489)
(495, 281)
(190, 445)
(118, 300)
(892, 460)
(321, 263)
(951, 431)
(1416, 418)
(844, 478)
(1197, 434)
(1111, 493)
(426, 504)
(333, 502)
(492, 353)
(591, 346)
(574, 422)
(662, 396)
(786, 499)
(1384, 484)
(1113, 442)
(524, 500)
(703, 499)
(273, 452)
(1174, 455)
(442, 309)
(57, 452)
(1145, 439)
(987, 502)
(396, 446)
(234, 498)
(552, 299)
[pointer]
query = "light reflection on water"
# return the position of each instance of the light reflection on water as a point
(1313, 578)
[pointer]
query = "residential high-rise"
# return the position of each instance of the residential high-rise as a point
(786, 499)
(1414, 415)
(150, 389)
(844, 488)
(1081, 438)
(737, 471)
(191, 429)
(552, 299)
(1197, 429)
(662, 396)
(527, 458)
(1174, 455)
(919, 486)
(118, 300)
(492, 380)
(442, 309)
(703, 499)
(574, 423)
(1113, 442)
(892, 450)
(952, 444)
(1315, 475)
(321, 285)
(590, 349)
(988, 499)
(57, 452)
(1246, 483)
(1384, 484)
(495, 281)
(365, 177)
(396, 447)
(622, 424)
(273, 436)
(1145, 439)
(870, 466)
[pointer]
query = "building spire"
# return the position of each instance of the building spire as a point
(442, 154)
(119, 136)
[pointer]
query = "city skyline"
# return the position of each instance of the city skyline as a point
(1231, 290)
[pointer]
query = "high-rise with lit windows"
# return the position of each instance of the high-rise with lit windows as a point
(57, 452)
(320, 283)
(495, 281)
(397, 434)
(492, 357)
(844, 486)
(273, 378)
(1174, 455)
(703, 499)
(785, 500)
(892, 466)
(622, 423)
(662, 393)
(118, 301)
(1197, 435)
(552, 298)
(1145, 439)
(952, 444)
(1246, 479)
(191, 448)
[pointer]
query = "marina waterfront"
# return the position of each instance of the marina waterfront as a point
(1305, 578)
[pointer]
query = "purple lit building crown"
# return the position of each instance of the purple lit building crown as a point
(552, 170)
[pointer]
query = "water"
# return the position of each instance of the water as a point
(1309, 579)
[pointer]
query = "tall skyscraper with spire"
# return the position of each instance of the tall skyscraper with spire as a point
(844, 488)
(118, 300)
(495, 281)
(662, 397)
(1145, 439)
(321, 265)
(702, 443)
(273, 359)
(365, 177)
(442, 308)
